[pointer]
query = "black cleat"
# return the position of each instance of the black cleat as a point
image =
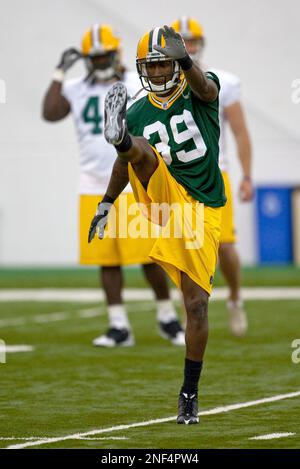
(187, 409)
(115, 114)
(172, 331)
(115, 338)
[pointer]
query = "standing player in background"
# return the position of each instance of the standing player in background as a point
(230, 112)
(84, 98)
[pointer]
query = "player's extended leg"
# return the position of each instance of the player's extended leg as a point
(168, 322)
(119, 332)
(135, 150)
(196, 335)
(231, 269)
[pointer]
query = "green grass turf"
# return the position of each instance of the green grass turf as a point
(85, 277)
(67, 386)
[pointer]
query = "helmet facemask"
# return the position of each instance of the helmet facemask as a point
(169, 81)
(103, 66)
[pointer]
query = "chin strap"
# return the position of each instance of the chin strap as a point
(136, 94)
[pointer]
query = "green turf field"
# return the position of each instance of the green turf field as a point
(84, 277)
(65, 386)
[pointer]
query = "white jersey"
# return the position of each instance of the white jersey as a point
(96, 156)
(230, 93)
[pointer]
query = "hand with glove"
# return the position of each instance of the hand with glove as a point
(68, 58)
(175, 48)
(99, 221)
(202, 86)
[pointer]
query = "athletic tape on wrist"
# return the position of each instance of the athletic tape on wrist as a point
(58, 75)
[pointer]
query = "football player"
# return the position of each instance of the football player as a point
(170, 141)
(230, 112)
(84, 98)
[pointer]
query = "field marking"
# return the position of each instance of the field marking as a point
(68, 315)
(17, 348)
(37, 438)
(272, 436)
(3, 438)
(136, 295)
(217, 410)
(87, 295)
(51, 317)
(19, 321)
(103, 438)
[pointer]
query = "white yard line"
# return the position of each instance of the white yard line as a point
(141, 296)
(86, 295)
(16, 348)
(20, 321)
(12, 438)
(217, 410)
(90, 313)
(272, 436)
(51, 317)
(104, 438)
(67, 315)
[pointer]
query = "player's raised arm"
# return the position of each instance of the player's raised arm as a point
(204, 88)
(55, 105)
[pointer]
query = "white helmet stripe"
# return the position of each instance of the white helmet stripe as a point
(184, 26)
(155, 37)
(95, 35)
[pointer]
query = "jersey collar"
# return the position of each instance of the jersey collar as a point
(157, 101)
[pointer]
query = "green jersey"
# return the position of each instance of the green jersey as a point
(185, 131)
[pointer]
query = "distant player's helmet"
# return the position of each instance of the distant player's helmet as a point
(192, 33)
(147, 54)
(101, 50)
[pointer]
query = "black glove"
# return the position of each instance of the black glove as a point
(175, 48)
(68, 58)
(99, 221)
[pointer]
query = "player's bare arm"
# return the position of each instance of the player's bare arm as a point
(204, 88)
(235, 116)
(55, 105)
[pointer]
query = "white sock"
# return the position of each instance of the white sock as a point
(235, 304)
(118, 317)
(165, 311)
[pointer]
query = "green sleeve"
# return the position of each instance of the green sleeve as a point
(212, 76)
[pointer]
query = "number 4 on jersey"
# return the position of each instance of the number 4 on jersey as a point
(92, 115)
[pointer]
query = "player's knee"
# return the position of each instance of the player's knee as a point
(226, 248)
(197, 309)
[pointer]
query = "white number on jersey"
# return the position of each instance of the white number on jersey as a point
(162, 147)
(190, 133)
